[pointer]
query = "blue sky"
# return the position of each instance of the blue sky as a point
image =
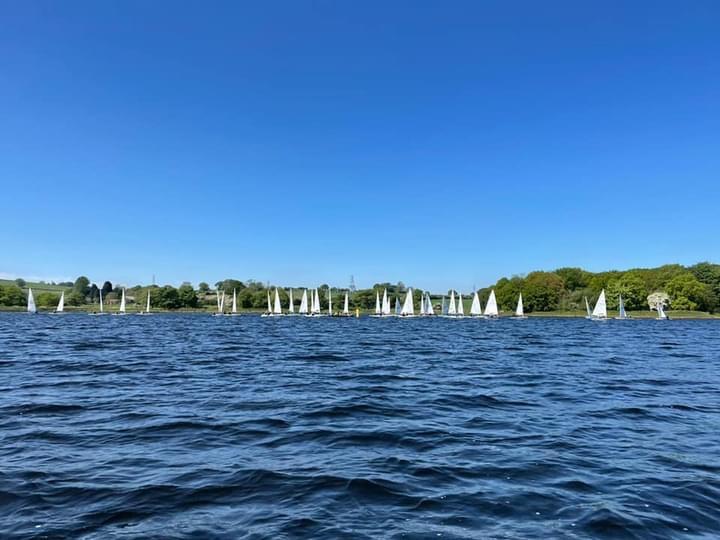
(438, 143)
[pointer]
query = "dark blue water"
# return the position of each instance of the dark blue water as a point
(191, 426)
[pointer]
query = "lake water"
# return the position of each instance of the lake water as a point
(191, 426)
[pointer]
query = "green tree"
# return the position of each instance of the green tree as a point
(574, 278)
(75, 298)
(187, 296)
(12, 295)
(542, 291)
(507, 292)
(20, 282)
(632, 288)
(203, 287)
(106, 288)
(166, 297)
(228, 285)
(82, 285)
(47, 299)
(93, 295)
(686, 292)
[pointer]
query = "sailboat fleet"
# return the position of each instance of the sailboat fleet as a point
(310, 306)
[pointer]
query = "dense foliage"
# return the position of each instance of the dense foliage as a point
(687, 288)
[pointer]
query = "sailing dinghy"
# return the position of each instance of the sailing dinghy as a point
(147, 307)
(408, 309)
(220, 303)
(491, 309)
(476, 307)
(622, 314)
(346, 305)
(121, 309)
(519, 311)
(101, 312)
(452, 310)
(600, 311)
(31, 307)
(60, 309)
(291, 306)
(304, 303)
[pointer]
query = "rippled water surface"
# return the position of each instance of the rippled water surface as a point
(191, 426)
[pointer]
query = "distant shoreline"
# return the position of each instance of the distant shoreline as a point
(639, 315)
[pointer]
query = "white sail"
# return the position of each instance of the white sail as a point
(519, 311)
(304, 303)
(291, 306)
(587, 307)
(398, 309)
(122, 301)
(491, 309)
(385, 303)
(277, 308)
(234, 304)
(217, 299)
(222, 302)
(316, 303)
(61, 303)
(31, 307)
(329, 302)
(661, 311)
(428, 305)
(378, 311)
(621, 308)
(101, 304)
(475, 308)
(452, 310)
(460, 306)
(147, 309)
(269, 308)
(408, 307)
(346, 306)
(600, 311)
(444, 306)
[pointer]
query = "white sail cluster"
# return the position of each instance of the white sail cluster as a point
(310, 305)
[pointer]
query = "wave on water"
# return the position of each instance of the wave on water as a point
(208, 427)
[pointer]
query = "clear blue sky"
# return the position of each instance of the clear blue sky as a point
(438, 143)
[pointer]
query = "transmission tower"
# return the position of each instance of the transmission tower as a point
(352, 284)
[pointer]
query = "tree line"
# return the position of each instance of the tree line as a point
(694, 287)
